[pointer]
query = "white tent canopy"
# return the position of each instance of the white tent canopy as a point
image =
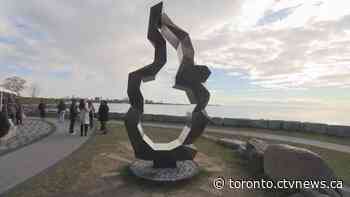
(7, 91)
(2, 91)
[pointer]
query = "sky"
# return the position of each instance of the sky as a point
(273, 52)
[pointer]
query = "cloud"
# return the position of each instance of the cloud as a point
(310, 55)
(96, 43)
(271, 16)
(87, 48)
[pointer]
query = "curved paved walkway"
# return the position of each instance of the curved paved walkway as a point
(28, 161)
(237, 132)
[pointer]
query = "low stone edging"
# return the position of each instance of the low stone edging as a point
(292, 126)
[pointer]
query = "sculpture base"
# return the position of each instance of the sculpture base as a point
(164, 164)
(145, 169)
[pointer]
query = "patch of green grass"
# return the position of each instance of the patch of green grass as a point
(124, 171)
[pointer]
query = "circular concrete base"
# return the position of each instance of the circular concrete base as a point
(144, 169)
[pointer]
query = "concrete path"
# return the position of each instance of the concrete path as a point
(237, 132)
(28, 161)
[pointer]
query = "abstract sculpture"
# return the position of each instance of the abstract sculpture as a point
(188, 78)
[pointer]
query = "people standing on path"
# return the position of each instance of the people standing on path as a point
(84, 117)
(103, 115)
(73, 113)
(19, 113)
(42, 109)
(61, 110)
(91, 113)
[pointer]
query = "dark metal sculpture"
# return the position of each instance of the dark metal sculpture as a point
(188, 78)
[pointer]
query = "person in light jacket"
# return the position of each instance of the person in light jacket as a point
(84, 117)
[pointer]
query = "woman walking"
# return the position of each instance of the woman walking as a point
(84, 117)
(103, 112)
(91, 113)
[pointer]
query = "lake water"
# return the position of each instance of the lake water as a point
(311, 114)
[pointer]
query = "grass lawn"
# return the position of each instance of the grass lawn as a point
(100, 168)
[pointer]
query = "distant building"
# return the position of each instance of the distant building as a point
(98, 99)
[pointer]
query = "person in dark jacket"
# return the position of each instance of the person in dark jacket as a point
(61, 110)
(91, 113)
(19, 113)
(103, 115)
(42, 109)
(73, 113)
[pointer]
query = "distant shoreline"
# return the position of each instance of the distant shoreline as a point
(29, 100)
(291, 126)
(155, 103)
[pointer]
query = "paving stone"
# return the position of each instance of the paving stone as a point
(25, 134)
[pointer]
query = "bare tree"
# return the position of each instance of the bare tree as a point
(15, 84)
(34, 90)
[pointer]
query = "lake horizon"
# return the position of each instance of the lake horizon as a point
(326, 115)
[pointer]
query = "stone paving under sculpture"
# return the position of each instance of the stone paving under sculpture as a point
(188, 78)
